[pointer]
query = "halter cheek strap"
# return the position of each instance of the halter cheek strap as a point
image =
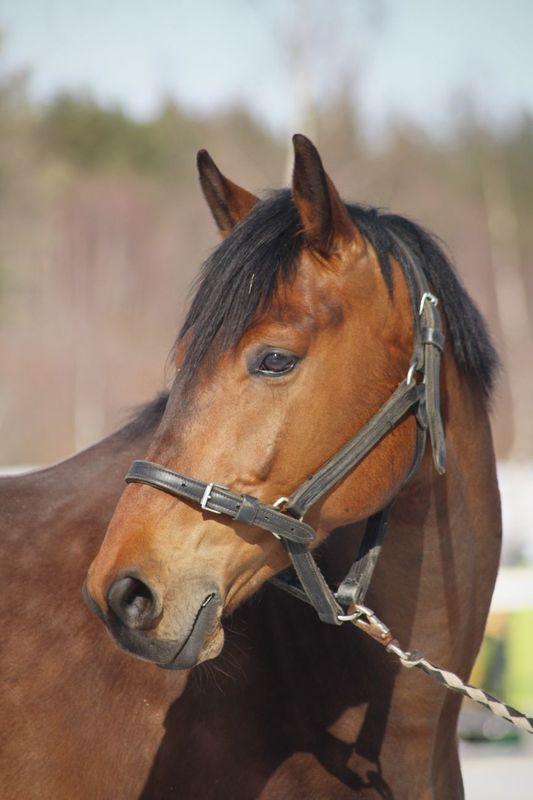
(402, 400)
(284, 518)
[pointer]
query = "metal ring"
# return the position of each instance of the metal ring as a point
(279, 505)
(410, 373)
(349, 617)
(360, 611)
(280, 502)
(427, 296)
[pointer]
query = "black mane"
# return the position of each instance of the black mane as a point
(242, 274)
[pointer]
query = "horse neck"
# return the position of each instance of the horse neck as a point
(77, 495)
(436, 573)
(439, 564)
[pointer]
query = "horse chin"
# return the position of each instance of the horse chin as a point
(189, 656)
(204, 641)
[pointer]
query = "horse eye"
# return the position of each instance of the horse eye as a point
(277, 363)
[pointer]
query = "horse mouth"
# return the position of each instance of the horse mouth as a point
(187, 650)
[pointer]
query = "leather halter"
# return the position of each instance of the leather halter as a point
(284, 518)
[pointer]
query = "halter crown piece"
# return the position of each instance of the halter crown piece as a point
(284, 518)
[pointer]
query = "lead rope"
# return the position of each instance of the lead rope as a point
(366, 620)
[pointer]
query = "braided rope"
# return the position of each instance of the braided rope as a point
(366, 620)
(453, 682)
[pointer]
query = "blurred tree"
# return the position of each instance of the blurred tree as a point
(102, 229)
(93, 137)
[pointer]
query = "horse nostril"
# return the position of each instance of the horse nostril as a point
(133, 602)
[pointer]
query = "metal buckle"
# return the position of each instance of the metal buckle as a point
(279, 505)
(205, 498)
(430, 298)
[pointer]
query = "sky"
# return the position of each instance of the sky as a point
(408, 57)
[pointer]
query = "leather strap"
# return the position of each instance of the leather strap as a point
(432, 340)
(312, 583)
(355, 585)
(307, 583)
(429, 345)
(220, 500)
(346, 459)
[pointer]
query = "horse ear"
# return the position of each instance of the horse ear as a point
(227, 201)
(324, 216)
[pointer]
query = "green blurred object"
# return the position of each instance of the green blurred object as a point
(504, 668)
(518, 674)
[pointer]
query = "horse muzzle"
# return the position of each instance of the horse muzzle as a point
(132, 616)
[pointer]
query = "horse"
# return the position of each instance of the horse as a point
(301, 329)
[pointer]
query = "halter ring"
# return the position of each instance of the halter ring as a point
(430, 298)
(410, 373)
(280, 503)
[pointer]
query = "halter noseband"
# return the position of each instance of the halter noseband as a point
(284, 518)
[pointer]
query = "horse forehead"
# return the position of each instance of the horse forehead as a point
(302, 315)
(316, 299)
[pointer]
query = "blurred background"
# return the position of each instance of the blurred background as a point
(423, 108)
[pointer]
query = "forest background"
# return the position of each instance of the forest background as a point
(103, 229)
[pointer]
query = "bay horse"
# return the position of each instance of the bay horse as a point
(73, 708)
(301, 328)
